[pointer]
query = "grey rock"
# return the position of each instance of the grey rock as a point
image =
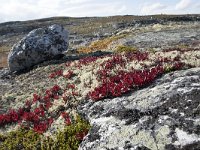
(39, 45)
(164, 115)
(163, 39)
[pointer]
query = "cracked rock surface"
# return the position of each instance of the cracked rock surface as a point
(164, 115)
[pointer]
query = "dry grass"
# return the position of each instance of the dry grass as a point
(3, 55)
(4, 48)
(100, 44)
(3, 59)
(123, 48)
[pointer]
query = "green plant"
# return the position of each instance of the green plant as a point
(182, 46)
(123, 48)
(68, 139)
(20, 139)
(72, 135)
(100, 44)
(152, 50)
(5, 48)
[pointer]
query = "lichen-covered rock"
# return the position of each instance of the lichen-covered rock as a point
(164, 115)
(39, 45)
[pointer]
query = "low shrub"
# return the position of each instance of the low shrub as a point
(100, 44)
(123, 48)
(68, 139)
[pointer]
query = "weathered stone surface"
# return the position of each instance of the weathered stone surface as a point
(39, 45)
(164, 115)
(161, 38)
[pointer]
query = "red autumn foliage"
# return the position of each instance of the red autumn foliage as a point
(66, 117)
(80, 135)
(71, 86)
(111, 86)
(123, 82)
(55, 88)
(56, 74)
(36, 98)
(35, 117)
(40, 127)
(88, 60)
(115, 60)
(139, 56)
(69, 74)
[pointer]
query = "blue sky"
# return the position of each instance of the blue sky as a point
(13, 10)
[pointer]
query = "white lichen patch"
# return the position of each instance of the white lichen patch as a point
(162, 137)
(146, 100)
(56, 104)
(102, 120)
(185, 138)
(157, 27)
(15, 101)
(9, 128)
(169, 55)
(143, 137)
(134, 64)
(57, 125)
(86, 79)
(197, 121)
(192, 58)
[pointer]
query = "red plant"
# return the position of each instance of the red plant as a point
(66, 117)
(139, 56)
(50, 121)
(40, 127)
(67, 64)
(111, 86)
(36, 117)
(39, 111)
(56, 74)
(28, 104)
(14, 115)
(55, 88)
(36, 98)
(80, 135)
(122, 82)
(65, 97)
(52, 75)
(69, 74)
(71, 86)
(115, 60)
(87, 60)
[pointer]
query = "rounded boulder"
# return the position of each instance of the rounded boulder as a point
(39, 45)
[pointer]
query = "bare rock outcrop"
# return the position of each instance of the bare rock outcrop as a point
(164, 115)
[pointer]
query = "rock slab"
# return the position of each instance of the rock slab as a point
(162, 116)
(39, 45)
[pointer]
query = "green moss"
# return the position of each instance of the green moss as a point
(30, 140)
(123, 48)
